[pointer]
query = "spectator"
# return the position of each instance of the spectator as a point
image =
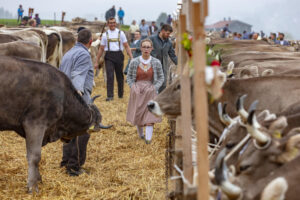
(24, 21)
(144, 29)
(37, 19)
(32, 23)
(111, 13)
(273, 37)
(235, 36)
(162, 48)
(255, 36)
(225, 31)
(135, 48)
(245, 35)
(133, 28)
(121, 15)
(262, 34)
(20, 12)
(281, 40)
(239, 36)
(153, 28)
(145, 77)
(169, 20)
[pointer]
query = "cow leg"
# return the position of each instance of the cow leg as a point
(34, 139)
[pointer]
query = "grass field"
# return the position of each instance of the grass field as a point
(13, 22)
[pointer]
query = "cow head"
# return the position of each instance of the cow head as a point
(268, 149)
(168, 101)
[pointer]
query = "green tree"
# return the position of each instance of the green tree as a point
(162, 19)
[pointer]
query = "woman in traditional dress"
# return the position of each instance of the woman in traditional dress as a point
(145, 77)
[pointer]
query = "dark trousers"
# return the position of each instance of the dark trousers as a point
(74, 152)
(114, 63)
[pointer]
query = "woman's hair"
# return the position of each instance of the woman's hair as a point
(146, 40)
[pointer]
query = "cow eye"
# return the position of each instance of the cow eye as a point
(177, 87)
(244, 167)
(230, 145)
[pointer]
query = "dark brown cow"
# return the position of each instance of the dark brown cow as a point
(40, 103)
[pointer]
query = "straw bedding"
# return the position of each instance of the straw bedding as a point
(120, 165)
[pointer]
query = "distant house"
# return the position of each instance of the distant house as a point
(233, 25)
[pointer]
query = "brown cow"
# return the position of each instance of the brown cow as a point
(21, 49)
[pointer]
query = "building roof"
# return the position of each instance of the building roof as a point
(222, 24)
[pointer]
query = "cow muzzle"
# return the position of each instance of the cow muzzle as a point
(154, 108)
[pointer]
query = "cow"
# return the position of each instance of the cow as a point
(4, 38)
(30, 36)
(265, 159)
(21, 49)
(265, 68)
(40, 103)
(55, 47)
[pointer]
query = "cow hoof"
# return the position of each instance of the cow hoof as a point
(33, 188)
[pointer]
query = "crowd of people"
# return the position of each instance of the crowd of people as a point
(146, 72)
(28, 20)
(273, 37)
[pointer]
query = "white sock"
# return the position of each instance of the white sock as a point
(149, 131)
(140, 130)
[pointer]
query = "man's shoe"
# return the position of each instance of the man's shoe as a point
(109, 99)
(72, 172)
(142, 137)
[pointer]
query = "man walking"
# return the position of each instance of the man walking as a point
(77, 65)
(113, 43)
(162, 48)
(144, 29)
(153, 28)
(110, 13)
(121, 15)
(20, 12)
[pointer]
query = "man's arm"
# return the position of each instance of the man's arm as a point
(127, 48)
(172, 55)
(79, 72)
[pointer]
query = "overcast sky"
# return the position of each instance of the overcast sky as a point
(267, 15)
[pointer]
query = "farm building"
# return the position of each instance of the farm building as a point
(233, 25)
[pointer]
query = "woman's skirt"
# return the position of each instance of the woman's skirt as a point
(141, 93)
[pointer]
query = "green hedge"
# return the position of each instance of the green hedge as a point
(13, 22)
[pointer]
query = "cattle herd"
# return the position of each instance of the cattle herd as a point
(254, 125)
(38, 101)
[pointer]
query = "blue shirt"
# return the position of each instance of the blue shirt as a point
(77, 65)
(20, 11)
(121, 13)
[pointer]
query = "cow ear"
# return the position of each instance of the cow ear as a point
(95, 97)
(277, 126)
(291, 148)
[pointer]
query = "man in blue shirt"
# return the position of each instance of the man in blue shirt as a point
(77, 65)
(20, 12)
(121, 14)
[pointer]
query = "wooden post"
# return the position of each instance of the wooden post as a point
(63, 14)
(200, 98)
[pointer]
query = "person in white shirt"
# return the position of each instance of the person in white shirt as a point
(113, 43)
(133, 28)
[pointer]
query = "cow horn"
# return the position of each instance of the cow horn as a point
(240, 107)
(291, 149)
(253, 129)
(105, 127)
(95, 97)
(221, 177)
(224, 117)
(253, 106)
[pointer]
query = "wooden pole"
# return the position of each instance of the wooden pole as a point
(200, 99)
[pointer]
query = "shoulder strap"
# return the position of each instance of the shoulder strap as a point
(119, 39)
(107, 38)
